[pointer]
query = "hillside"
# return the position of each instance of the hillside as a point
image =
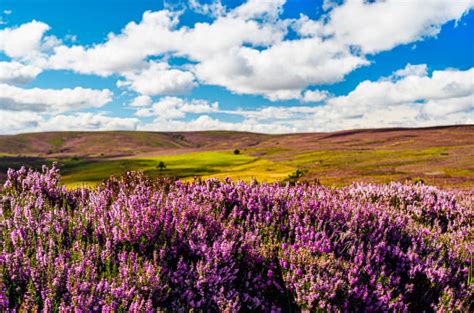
(440, 155)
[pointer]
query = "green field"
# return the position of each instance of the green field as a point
(330, 167)
(184, 166)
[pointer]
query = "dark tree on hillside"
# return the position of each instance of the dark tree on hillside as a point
(236, 151)
(161, 165)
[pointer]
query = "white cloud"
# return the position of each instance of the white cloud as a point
(205, 122)
(383, 25)
(447, 84)
(141, 101)
(25, 121)
(156, 34)
(278, 68)
(24, 41)
(18, 122)
(442, 98)
(228, 33)
(245, 50)
(273, 114)
(123, 52)
(159, 79)
(278, 95)
(315, 95)
(440, 108)
(88, 121)
(17, 73)
(51, 101)
(412, 70)
(409, 98)
(269, 9)
(214, 9)
(306, 27)
(172, 108)
(445, 97)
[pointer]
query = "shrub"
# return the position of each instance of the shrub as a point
(161, 165)
(136, 244)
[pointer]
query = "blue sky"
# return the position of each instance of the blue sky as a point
(264, 66)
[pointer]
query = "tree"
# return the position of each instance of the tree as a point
(295, 176)
(236, 151)
(161, 165)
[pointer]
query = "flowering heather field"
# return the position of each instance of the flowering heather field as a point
(134, 244)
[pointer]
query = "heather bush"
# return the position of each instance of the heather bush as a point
(142, 245)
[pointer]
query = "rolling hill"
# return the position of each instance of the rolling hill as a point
(441, 156)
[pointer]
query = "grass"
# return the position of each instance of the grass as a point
(260, 169)
(185, 166)
(56, 142)
(332, 167)
(442, 166)
(341, 167)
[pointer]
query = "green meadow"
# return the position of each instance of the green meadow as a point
(184, 166)
(330, 167)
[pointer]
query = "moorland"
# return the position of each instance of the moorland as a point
(440, 156)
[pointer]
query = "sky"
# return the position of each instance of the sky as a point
(270, 66)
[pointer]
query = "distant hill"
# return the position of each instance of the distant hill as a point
(440, 155)
(119, 143)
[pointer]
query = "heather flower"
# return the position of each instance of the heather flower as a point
(141, 245)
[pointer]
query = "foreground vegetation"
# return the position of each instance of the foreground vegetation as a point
(136, 244)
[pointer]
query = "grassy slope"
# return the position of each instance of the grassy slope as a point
(205, 164)
(441, 156)
(118, 143)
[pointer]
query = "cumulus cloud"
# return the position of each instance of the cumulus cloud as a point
(88, 121)
(381, 25)
(279, 69)
(172, 108)
(413, 99)
(315, 95)
(51, 100)
(409, 98)
(269, 9)
(157, 34)
(412, 70)
(141, 101)
(442, 98)
(19, 121)
(159, 79)
(306, 27)
(249, 52)
(246, 50)
(24, 41)
(205, 122)
(277, 114)
(447, 84)
(123, 52)
(26, 121)
(214, 9)
(17, 73)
